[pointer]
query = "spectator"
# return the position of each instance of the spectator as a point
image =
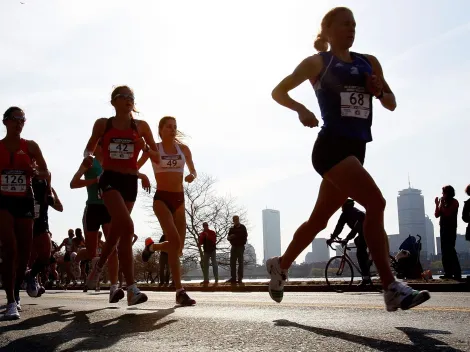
(447, 208)
(208, 240)
(237, 236)
(164, 267)
(466, 214)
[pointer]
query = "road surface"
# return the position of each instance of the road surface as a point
(226, 321)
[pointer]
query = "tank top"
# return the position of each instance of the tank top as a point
(15, 171)
(169, 162)
(93, 172)
(41, 206)
(118, 146)
(345, 104)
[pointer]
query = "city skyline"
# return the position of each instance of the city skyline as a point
(271, 233)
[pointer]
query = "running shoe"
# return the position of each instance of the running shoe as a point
(278, 278)
(134, 296)
(183, 299)
(12, 312)
(400, 295)
(115, 295)
(18, 303)
(32, 286)
(146, 253)
(94, 275)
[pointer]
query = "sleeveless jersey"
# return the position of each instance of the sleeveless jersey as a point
(170, 162)
(345, 104)
(15, 171)
(118, 146)
(93, 172)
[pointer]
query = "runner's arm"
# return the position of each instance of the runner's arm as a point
(387, 100)
(189, 160)
(309, 68)
(151, 147)
(98, 131)
(77, 182)
(36, 154)
(57, 204)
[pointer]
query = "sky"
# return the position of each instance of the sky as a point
(213, 65)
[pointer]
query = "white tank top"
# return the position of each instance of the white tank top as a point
(169, 162)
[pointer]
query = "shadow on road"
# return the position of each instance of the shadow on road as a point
(98, 335)
(421, 341)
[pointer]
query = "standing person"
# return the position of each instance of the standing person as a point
(345, 83)
(45, 196)
(168, 202)
(122, 138)
(237, 236)
(447, 208)
(96, 216)
(163, 265)
(71, 248)
(208, 241)
(354, 218)
(17, 204)
(466, 213)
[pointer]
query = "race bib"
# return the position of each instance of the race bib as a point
(171, 161)
(120, 148)
(13, 182)
(355, 104)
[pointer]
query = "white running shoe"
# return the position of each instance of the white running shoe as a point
(11, 312)
(115, 294)
(278, 278)
(134, 296)
(18, 303)
(94, 275)
(400, 295)
(75, 267)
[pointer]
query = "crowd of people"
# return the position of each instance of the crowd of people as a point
(345, 84)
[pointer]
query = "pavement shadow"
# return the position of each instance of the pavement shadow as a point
(95, 335)
(421, 341)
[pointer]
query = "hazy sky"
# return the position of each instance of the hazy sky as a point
(212, 65)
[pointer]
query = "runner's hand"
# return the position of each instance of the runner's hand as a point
(190, 178)
(145, 183)
(374, 84)
(308, 118)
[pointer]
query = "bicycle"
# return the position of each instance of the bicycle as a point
(339, 270)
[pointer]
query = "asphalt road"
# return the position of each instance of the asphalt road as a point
(226, 321)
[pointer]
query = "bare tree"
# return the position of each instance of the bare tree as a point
(203, 204)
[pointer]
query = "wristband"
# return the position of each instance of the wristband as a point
(87, 153)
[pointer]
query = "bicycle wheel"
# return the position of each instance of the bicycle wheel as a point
(339, 274)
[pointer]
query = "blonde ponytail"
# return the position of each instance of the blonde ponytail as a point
(321, 43)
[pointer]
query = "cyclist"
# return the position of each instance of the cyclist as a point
(354, 218)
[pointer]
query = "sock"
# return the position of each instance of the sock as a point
(131, 287)
(113, 287)
(179, 290)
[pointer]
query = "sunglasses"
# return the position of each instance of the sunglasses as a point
(20, 119)
(125, 96)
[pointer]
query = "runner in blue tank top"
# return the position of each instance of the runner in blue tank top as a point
(345, 83)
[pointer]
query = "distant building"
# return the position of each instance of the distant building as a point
(430, 238)
(309, 258)
(271, 233)
(411, 216)
(461, 245)
(320, 250)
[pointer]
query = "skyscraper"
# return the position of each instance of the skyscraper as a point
(430, 238)
(411, 217)
(271, 233)
(320, 250)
